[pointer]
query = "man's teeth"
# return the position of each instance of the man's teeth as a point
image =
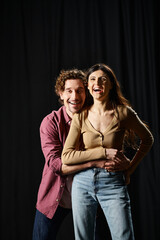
(74, 103)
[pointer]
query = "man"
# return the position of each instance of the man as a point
(54, 202)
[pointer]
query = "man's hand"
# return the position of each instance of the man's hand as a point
(116, 161)
(98, 164)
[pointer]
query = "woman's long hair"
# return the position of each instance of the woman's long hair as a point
(116, 98)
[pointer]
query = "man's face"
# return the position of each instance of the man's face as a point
(73, 96)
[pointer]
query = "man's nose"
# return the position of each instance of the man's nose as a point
(74, 95)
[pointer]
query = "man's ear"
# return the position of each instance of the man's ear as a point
(61, 95)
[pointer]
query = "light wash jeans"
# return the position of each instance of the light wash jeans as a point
(97, 185)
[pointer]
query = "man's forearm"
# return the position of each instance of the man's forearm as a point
(70, 169)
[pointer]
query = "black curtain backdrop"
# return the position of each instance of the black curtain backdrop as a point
(38, 39)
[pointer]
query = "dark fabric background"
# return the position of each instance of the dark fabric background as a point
(38, 39)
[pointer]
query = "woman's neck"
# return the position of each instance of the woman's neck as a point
(101, 107)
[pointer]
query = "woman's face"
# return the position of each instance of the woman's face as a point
(99, 85)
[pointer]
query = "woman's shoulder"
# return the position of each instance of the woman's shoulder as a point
(125, 111)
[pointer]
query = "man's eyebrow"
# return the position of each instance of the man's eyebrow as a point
(71, 88)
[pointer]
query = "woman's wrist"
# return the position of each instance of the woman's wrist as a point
(106, 153)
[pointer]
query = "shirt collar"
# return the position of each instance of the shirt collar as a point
(67, 118)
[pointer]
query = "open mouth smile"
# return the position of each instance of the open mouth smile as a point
(98, 90)
(74, 103)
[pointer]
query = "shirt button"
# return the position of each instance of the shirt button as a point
(61, 186)
(101, 136)
(57, 200)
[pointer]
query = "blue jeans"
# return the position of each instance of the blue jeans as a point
(47, 229)
(93, 186)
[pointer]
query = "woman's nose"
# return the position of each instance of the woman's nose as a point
(98, 81)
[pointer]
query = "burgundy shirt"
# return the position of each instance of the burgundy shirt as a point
(53, 132)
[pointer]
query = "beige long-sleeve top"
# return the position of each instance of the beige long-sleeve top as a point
(95, 142)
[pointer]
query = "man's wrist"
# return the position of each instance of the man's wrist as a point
(90, 164)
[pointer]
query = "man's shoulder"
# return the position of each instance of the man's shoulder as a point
(55, 117)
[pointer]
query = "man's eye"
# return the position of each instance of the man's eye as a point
(69, 91)
(80, 91)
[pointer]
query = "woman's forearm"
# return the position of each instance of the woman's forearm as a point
(140, 154)
(71, 156)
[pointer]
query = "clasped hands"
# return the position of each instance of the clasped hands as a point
(116, 161)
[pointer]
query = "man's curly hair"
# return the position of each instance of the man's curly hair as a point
(66, 75)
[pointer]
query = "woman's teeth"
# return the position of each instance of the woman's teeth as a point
(97, 90)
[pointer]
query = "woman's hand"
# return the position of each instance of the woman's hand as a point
(116, 160)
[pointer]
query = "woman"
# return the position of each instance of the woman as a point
(104, 127)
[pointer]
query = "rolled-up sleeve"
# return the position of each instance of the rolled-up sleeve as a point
(51, 145)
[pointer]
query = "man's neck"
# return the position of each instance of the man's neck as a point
(70, 114)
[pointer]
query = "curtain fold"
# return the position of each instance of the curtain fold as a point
(38, 39)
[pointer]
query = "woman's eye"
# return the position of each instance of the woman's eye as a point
(104, 79)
